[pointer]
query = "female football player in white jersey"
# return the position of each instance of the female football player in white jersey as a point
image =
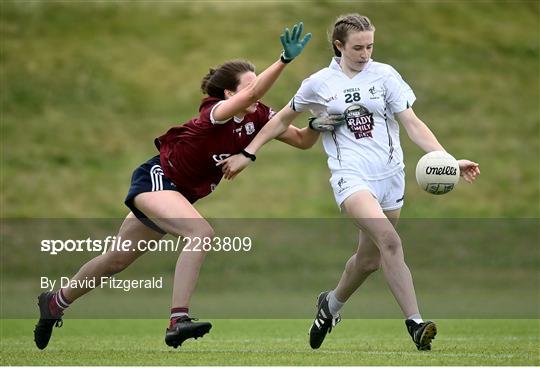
(366, 163)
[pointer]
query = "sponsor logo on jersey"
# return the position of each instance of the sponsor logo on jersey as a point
(250, 128)
(360, 121)
(441, 170)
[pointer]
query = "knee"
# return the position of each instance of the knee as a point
(202, 230)
(192, 228)
(199, 234)
(389, 243)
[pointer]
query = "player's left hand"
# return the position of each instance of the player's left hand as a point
(469, 170)
(292, 44)
(233, 165)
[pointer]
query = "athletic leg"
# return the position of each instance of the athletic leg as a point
(363, 263)
(368, 215)
(364, 209)
(114, 261)
(52, 305)
(173, 213)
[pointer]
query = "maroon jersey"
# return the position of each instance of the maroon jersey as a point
(189, 152)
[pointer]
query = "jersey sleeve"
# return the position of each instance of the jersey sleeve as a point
(206, 111)
(214, 121)
(307, 96)
(399, 95)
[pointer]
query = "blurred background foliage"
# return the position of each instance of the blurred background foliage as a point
(86, 86)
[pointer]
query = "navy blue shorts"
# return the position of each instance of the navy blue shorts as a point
(148, 177)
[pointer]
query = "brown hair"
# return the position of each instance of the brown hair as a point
(225, 76)
(349, 23)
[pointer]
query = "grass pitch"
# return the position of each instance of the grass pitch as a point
(273, 342)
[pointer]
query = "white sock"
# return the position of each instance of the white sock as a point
(417, 318)
(333, 304)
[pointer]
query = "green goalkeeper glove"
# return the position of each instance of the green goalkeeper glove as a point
(292, 45)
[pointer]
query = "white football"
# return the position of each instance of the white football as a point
(437, 172)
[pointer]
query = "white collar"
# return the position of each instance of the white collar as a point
(334, 64)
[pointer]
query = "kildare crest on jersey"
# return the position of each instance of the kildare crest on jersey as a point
(360, 121)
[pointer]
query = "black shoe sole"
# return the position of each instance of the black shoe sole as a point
(176, 341)
(316, 344)
(427, 336)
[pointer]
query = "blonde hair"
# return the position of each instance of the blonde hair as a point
(349, 23)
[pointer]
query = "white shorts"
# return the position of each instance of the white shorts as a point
(389, 192)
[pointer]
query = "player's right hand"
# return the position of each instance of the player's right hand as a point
(327, 123)
(232, 165)
(292, 45)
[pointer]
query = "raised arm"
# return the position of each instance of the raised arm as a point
(292, 47)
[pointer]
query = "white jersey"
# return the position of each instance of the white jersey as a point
(368, 145)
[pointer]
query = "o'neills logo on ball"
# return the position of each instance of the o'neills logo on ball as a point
(441, 170)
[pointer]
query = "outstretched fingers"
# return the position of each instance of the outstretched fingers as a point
(305, 40)
(295, 35)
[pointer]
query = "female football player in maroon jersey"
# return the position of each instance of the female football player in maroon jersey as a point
(164, 188)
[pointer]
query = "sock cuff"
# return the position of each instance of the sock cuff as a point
(179, 311)
(332, 296)
(61, 300)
